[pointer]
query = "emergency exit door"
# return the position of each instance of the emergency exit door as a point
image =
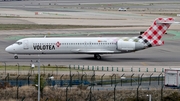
(25, 44)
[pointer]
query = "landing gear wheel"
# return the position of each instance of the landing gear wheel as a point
(97, 56)
(15, 57)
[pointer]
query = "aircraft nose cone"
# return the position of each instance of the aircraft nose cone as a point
(9, 49)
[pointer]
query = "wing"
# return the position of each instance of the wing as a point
(92, 51)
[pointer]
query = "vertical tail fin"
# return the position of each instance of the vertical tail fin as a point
(152, 36)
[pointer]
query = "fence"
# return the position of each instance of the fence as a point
(90, 83)
(88, 78)
(64, 69)
(118, 69)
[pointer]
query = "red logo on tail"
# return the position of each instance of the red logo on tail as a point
(155, 32)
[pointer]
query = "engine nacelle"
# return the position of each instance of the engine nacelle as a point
(129, 46)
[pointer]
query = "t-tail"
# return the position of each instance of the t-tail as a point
(152, 36)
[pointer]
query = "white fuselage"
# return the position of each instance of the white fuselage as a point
(81, 45)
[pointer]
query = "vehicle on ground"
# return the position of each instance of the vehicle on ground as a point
(122, 9)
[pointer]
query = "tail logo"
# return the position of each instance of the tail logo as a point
(155, 32)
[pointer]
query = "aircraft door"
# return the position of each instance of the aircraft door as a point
(25, 44)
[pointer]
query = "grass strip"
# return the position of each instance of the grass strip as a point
(41, 26)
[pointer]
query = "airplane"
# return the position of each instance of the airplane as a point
(93, 45)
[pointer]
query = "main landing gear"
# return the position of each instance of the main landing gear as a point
(15, 56)
(97, 56)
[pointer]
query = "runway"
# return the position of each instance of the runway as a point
(136, 59)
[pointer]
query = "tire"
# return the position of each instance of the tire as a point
(97, 56)
(15, 57)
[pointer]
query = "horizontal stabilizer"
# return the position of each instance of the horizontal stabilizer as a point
(168, 22)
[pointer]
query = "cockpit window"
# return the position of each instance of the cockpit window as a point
(19, 43)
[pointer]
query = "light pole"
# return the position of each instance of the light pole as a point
(38, 78)
(149, 95)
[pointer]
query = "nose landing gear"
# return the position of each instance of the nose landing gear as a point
(15, 56)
